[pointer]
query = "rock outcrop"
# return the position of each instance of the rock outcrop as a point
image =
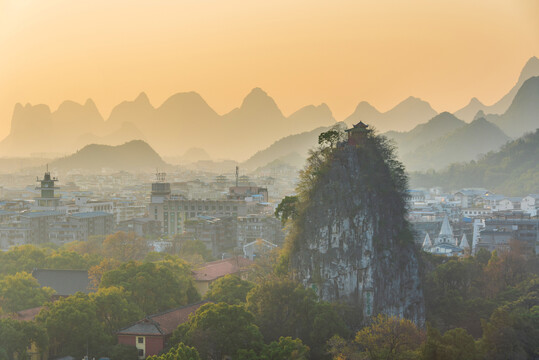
(350, 241)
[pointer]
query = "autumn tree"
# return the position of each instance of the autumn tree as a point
(124, 246)
(389, 338)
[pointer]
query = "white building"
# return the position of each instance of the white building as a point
(446, 243)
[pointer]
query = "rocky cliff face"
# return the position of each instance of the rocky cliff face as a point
(351, 242)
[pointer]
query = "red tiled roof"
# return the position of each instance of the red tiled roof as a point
(216, 269)
(163, 323)
(24, 315)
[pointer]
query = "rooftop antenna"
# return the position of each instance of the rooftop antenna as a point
(160, 177)
(237, 174)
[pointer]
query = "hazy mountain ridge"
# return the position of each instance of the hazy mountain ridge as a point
(182, 122)
(523, 114)
(185, 121)
(513, 170)
(403, 117)
(293, 146)
(133, 155)
(437, 127)
(463, 144)
(467, 113)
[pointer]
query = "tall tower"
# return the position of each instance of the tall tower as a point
(47, 198)
(160, 189)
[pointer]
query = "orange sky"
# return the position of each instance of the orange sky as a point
(300, 52)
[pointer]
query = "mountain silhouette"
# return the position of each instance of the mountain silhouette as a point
(467, 113)
(512, 171)
(183, 121)
(464, 144)
(133, 155)
(295, 146)
(437, 127)
(523, 114)
(403, 117)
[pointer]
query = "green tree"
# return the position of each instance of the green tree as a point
(178, 352)
(287, 209)
(283, 307)
(220, 329)
(123, 352)
(17, 336)
(454, 344)
(21, 258)
(22, 291)
(285, 348)
(190, 248)
(389, 338)
(114, 308)
(155, 286)
(229, 289)
(73, 326)
(330, 138)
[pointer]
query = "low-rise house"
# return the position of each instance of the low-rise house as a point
(64, 282)
(151, 334)
(212, 271)
(530, 204)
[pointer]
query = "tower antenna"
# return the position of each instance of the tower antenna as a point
(237, 174)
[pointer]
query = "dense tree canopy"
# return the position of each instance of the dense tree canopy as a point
(229, 289)
(220, 329)
(17, 336)
(73, 325)
(155, 286)
(22, 291)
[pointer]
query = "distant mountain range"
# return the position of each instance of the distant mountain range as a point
(445, 139)
(182, 122)
(513, 170)
(185, 121)
(463, 144)
(133, 155)
(468, 112)
(523, 114)
(291, 150)
(403, 117)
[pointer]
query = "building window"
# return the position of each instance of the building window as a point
(140, 352)
(140, 340)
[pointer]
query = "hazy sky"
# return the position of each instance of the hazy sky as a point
(301, 52)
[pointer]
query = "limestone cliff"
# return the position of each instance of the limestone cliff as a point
(350, 241)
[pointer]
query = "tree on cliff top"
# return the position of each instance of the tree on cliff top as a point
(381, 174)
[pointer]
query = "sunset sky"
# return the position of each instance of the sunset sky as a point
(300, 52)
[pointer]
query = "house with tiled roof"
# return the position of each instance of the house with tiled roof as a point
(151, 334)
(214, 270)
(64, 282)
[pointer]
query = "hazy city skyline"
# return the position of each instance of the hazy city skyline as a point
(303, 53)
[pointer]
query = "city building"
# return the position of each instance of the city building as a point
(150, 335)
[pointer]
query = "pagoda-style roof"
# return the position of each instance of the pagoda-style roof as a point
(360, 125)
